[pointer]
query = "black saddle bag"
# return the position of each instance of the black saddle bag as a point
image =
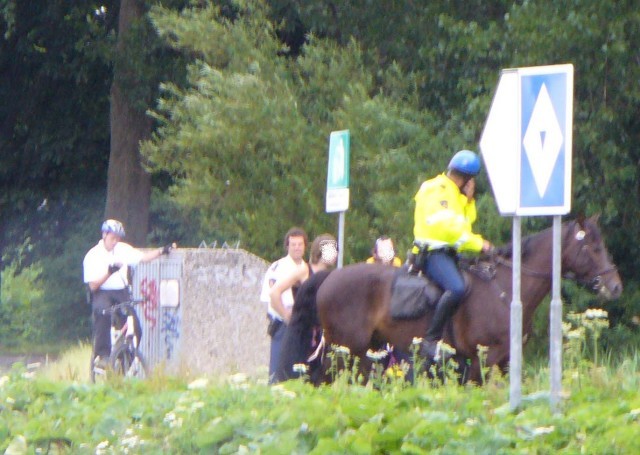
(412, 296)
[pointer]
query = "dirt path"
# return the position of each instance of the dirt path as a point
(29, 360)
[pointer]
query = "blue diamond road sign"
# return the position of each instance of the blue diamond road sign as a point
(527, 140)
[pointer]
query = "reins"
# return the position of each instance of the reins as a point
(594, 283)
(527, 271)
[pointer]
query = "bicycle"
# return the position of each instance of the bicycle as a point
(125, 360)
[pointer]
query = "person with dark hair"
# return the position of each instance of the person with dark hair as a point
(384, 252)
(323, 255)
(105, 273)
(295, 243)
(444, 214)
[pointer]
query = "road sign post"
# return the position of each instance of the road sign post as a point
(526, 146)
(337, 198)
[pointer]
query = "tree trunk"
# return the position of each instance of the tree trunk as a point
(129, 185)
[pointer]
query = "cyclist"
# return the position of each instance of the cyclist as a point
(105, 273)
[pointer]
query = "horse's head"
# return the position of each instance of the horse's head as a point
(585, 258)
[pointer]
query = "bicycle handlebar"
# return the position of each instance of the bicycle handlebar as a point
(118, 306)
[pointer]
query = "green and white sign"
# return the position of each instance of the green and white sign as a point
(338, 172)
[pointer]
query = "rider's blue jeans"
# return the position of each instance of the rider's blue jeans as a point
(442, 268)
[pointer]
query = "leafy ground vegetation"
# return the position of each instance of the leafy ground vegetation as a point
(56, 410)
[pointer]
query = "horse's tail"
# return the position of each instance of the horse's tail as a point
(303, 332)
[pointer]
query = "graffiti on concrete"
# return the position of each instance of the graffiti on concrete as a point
(224, 245)
(171, 330)
(228, 275)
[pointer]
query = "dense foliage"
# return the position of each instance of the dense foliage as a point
(598, 412)
(242, 144)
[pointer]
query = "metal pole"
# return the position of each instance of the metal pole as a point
(340, 239)
(555, 317)
(515, 351)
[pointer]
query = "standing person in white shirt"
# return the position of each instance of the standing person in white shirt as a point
(279, 312)
(105, 273)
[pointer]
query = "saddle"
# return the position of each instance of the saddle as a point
(413, 295)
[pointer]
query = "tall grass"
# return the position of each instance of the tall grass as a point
(72, 365)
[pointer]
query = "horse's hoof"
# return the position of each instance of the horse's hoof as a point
(431, 350)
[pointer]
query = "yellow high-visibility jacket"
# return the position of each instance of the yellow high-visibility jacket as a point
(444, 216)
(397, 262)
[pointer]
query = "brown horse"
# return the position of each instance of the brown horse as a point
(353, 303)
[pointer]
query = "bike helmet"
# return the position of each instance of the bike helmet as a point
(114, 226)
(465, 162)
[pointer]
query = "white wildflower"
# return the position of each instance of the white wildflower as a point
(238, 378)
(342, 350)
(300, 368)
(4, 380)
(447, 349)
(377, 355)
(172, 420)
(131, 442)
(543, 430)
(596, 313)
(416, 340)
(577, 334)
(199, 383)
(279, 389)
(197, 405)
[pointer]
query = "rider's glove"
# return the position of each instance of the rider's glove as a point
(167, 249)
(113, 268)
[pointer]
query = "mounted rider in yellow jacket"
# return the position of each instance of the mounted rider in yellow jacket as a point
(444, 215)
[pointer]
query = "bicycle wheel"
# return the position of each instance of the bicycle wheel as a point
(128, 361)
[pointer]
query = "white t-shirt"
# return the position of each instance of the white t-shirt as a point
(97, 261)
(280, 268)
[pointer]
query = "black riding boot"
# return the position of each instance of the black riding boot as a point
(444, 309)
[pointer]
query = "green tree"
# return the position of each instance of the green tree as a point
(141, 62)
(56, 73)
(247, 141)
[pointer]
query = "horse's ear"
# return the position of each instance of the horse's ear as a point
(595, 218)
(580, 219)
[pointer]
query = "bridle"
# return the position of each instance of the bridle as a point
(594, 284)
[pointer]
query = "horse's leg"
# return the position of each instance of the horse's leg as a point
(474, 373)
(498, 356)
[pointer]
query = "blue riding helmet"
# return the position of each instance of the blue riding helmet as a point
(465, 162)
(114, 226)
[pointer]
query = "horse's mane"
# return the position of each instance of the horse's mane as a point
(528, 245)
(298, 336)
